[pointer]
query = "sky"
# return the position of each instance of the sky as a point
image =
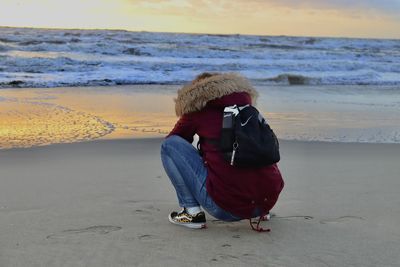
(341, 18)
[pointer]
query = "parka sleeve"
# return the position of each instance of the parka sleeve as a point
(185, 128)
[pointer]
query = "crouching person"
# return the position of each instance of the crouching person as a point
(206, 180)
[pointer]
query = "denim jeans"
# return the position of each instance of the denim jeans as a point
(188, 174)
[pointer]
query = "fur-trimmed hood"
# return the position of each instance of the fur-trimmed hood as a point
(195, 96)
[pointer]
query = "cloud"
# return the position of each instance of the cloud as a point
(390, 7)
(290, 17)
(385, 6)
(199, 8)
(214, 9)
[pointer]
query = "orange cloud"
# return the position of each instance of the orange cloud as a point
(368, 18)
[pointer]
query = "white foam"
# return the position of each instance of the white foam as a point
(44, 58)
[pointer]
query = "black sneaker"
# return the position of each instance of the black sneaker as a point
(183, 218)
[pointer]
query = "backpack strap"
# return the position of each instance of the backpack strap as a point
(202, 140)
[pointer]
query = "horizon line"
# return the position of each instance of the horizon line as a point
(197, 33)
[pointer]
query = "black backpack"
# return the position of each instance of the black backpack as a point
(246, 138)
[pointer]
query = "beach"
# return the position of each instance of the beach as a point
(81, 181)
(105, 203)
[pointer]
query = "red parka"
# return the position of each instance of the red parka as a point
(236, 190)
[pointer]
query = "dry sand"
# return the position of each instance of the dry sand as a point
(105, 203)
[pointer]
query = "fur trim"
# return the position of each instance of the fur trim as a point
(194, 96)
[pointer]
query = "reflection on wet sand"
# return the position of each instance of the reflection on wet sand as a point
(34, 117)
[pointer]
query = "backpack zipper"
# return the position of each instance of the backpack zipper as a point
(235, 146)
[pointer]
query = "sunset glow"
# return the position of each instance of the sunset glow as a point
(264, 17)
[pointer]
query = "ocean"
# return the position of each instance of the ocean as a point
(60, 86)
(51, 58)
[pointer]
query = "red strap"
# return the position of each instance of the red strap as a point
(258, 228)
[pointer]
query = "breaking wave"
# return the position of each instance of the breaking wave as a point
(48, 58)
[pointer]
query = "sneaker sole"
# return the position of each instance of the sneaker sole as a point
(188, 225)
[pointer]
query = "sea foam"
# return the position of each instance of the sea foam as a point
(50, 58)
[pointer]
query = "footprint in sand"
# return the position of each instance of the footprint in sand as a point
(150, 238)
(244, 258)
(142, 208)
(341, 219)
(97, 229)
(249, 255)
(146, 212)
(225, 257)
(142, 212)
(143, 205)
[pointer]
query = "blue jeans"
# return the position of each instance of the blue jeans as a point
(187, 172)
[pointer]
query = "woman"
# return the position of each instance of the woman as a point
(226, 192)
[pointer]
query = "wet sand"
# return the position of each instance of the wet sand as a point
(42, 116)
(105, 203)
